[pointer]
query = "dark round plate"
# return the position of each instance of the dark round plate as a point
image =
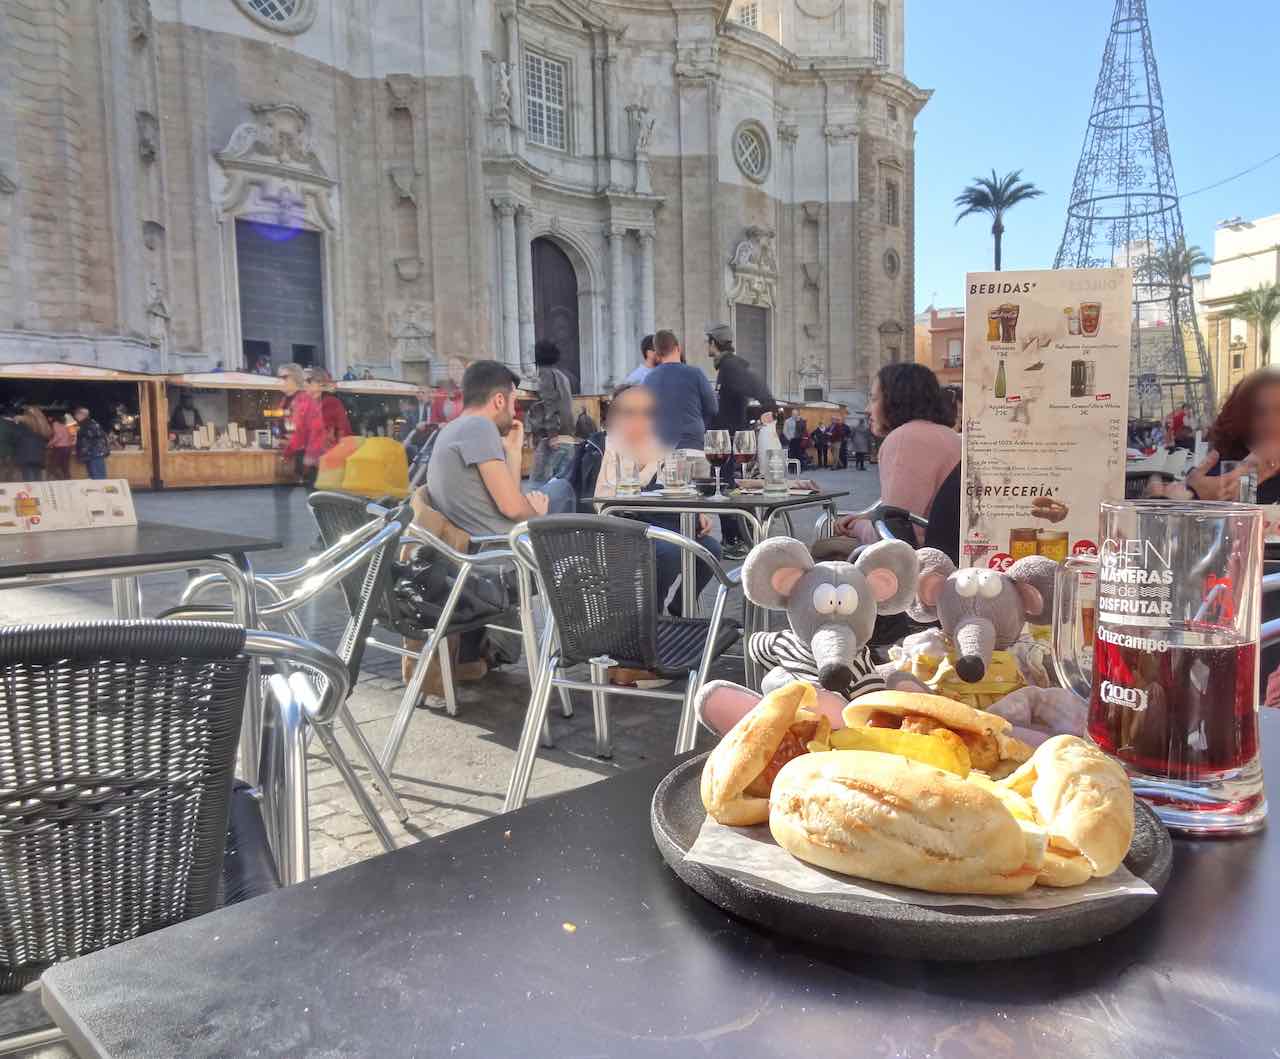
(889, 928)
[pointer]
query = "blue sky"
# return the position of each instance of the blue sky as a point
(1013, 83)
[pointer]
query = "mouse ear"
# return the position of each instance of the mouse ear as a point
(772, 569)
(1035, 576)
(891, 569)
(935, 567)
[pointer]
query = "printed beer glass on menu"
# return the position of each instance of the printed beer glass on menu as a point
(1174, 694)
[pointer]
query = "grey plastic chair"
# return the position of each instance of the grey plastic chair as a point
(597, 574)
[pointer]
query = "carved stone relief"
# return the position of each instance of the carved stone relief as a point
(400, 87)
(754, 267)
(148, 136)
(411, 333)
(7, 185)
(402, 177)
(139, 21)
(272, 171)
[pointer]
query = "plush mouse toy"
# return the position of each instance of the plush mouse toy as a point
(982, 614)
(832, 608)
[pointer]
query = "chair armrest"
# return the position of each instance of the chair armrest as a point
(684, 543)
(289, 652)
(878, 514)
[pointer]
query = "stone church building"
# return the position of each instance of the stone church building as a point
(387, 184)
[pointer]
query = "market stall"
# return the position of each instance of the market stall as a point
(374, 405)
(122, 402)
(221, 428)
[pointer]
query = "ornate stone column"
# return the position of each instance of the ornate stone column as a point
(510, 296)
(524, 275)
(616, 236)
(646, 282)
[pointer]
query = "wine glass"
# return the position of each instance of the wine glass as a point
(744, 447)
(718, 447)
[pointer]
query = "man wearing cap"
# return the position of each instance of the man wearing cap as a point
(737, 387)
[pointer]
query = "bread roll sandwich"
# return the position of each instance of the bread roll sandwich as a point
(992, 749)
(886, 818)
(1083, 799)
(740, 771)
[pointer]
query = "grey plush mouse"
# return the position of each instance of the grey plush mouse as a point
(982, 611)
(832, 608)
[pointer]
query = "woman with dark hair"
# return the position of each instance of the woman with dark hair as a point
(550, 417)
(920, 447)
(1247, 429)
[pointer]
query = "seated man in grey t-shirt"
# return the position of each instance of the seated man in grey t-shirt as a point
(473, 478)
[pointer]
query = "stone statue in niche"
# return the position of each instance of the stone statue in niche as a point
(158, 315)
(502, 72)
(644, 136)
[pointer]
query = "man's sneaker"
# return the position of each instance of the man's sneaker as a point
(737, 550)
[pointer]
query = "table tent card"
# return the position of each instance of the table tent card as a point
(1046, 400)
(82, 503)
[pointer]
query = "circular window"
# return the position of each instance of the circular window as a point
(283, 16)
(892, 263)
(751, 151)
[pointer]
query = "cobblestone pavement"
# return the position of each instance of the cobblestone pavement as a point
(452, 771)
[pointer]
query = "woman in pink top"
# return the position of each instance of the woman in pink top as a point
(920, 448)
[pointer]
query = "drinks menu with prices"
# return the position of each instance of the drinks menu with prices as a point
(82, 503)
(1046, 400)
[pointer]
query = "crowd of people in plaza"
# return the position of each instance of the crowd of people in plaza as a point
(36, 445)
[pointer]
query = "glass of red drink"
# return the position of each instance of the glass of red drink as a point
(1173, 679)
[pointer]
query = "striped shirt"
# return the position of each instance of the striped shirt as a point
(786, 649)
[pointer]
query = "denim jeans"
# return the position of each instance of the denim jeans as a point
(96, 466)
(667, 559)
(550, 460)
(561, 499)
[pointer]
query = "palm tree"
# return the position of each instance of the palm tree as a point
(995, 195)
(1172, 267)
(1261, 307)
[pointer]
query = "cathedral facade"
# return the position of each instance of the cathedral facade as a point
(388, 184)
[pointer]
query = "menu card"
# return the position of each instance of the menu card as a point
(1046, 402)
(82, 503)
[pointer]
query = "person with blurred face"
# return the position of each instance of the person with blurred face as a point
(1247, 429)
(631, 435)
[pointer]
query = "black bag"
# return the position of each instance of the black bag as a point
(424, 582)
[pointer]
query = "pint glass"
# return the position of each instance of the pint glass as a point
(1174, 689)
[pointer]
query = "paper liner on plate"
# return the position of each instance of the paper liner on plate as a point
(752, 852)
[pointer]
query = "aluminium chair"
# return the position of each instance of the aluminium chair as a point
(119, 812)
(598, 576)
(358, 558)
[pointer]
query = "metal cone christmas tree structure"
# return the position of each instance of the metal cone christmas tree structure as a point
(1124, 211)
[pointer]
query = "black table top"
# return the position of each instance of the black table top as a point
(559, 931)
(105, 548)
(752, 501)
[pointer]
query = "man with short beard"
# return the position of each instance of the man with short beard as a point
(473, 478)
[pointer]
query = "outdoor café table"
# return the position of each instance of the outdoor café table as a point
(558, 930)
(122, 554)
(757, 511)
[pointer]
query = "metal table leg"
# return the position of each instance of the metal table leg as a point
(688, 567)
(251, 734)
(126, 596)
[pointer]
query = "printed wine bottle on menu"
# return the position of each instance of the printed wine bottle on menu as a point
(1002, 384)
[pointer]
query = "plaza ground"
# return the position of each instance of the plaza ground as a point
(452, 771)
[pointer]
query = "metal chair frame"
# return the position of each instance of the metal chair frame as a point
(878, 514)
(548, 665)
(354, 551)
